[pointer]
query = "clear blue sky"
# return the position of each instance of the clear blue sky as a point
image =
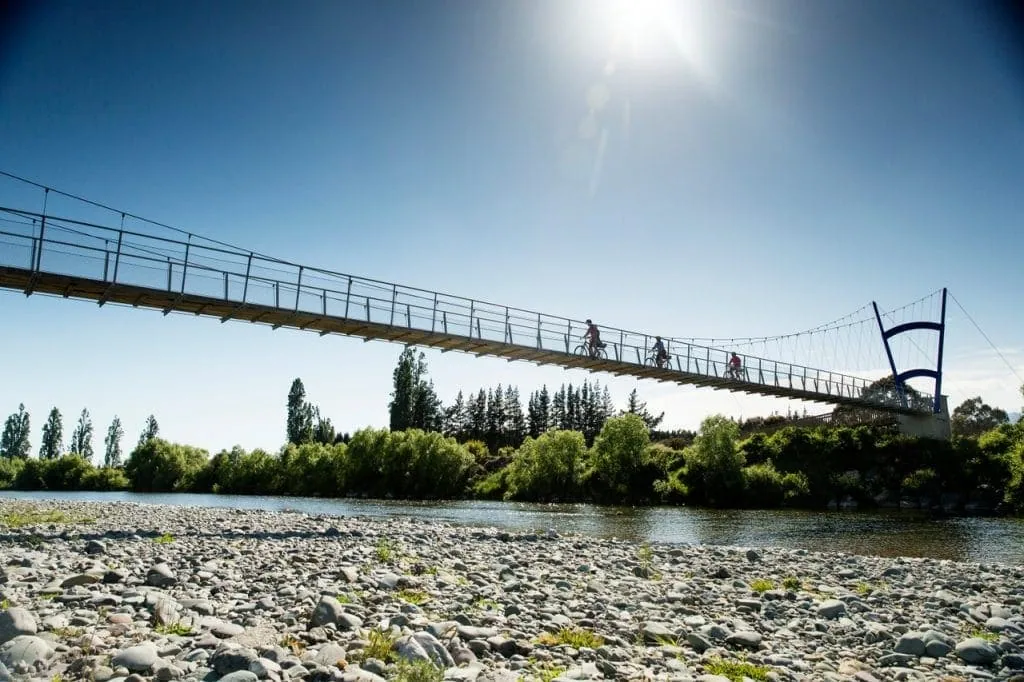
(766, 166)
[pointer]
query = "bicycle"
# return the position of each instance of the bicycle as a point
(599, 353)
(736, 373)
(652, 361)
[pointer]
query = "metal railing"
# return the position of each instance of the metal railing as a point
(42, 242)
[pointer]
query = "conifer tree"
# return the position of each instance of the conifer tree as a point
(150, 431)
(515, 426)
(81, 437)
(455, 418)
(53, 436)
(15, 442)
(301, 418)
(635, 406)
(112, 454)
(478, 417)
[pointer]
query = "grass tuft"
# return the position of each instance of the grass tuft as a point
(19, 518)
(791, 583)
(418, 671)
(164, 539)
(416, 597)
(736, 670)
(761, 585)
(574, 637)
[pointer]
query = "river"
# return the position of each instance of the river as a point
(880, 533)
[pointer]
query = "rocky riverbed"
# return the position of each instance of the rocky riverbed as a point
(122, 592)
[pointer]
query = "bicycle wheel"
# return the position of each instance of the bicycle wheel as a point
(649, 361)
(581, 350)
(601, 353)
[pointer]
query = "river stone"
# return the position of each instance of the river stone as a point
(229, 658)
(80, 579)
(240, 676)
(329, 654)
(25, 650)
(698, 642)
(328, 610)
(161, 575)
(1013, 661)
(95, 547)
(747, 639)
(911, 643)
(138, 658)
(976, 651)
(657, 633)
(831, 608)
(435, 650)
(16, 621)
(264, 669)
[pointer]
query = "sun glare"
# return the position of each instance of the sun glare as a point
(637, 21)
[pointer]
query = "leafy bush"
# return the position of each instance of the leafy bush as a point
(10, 469)
(620, 460)
(105, 478)
(763, 487)
(159, 466)
(548, 468)
(714, 466)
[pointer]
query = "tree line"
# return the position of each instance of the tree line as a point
(568, 444)
(15, 443)
(793, 467)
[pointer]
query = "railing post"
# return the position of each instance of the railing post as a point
(226, 286)
(707, 363)
(508, 328)
(444, 320)
(117, 257)
(348, 295)
(367, 308)
(106, 258)
(394, 297)
(408, 315)
(540, 344)
(298, 289)
(245, 287)
(170, 270)
(32, 255)
(433, 315)
(471, 302)
(478, 334)
(42, 230)
(277, 294)
(324, 300)
(184, 267)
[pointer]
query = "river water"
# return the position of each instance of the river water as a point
(880, 533)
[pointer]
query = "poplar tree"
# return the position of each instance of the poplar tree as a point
(15, 442)
(81, 437)
(53, 436)
(112, 454)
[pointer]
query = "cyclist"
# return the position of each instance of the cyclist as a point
(593, 336)
(734, 366)
(659, 350)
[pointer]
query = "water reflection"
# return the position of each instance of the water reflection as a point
(881, 533)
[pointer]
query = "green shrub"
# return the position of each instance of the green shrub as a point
(160, 466)
(762, 485)
(547, 468)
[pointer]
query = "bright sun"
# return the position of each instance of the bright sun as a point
(635, 21)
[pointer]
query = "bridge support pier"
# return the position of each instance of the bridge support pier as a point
(930, 425)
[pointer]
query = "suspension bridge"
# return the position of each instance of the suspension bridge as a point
(59, 244)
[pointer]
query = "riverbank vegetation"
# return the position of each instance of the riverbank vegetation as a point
(569, 445)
